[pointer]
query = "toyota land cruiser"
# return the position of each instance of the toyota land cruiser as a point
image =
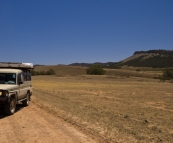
(15, 85)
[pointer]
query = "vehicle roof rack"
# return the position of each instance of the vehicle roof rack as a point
(16, 65)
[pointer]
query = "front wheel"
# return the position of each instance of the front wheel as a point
(26, 101)
(10, 107)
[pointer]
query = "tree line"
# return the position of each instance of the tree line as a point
(160, 51)
(49, 72)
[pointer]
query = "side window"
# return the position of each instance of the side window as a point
(28, 76)
(25, 75)
(19, 78)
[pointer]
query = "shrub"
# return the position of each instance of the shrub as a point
(167, 74)
(49, 72)
(96, 70)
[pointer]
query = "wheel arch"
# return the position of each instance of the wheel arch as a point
(13, 95)
(29, 92)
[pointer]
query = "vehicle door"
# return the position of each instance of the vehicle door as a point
(22, 92)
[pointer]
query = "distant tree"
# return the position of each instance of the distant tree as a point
(33, 72)
(49, 72)
(42, 73)
(96, 70)
(167, 74)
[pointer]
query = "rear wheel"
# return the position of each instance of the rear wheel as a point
(26, 101)
(10, 107)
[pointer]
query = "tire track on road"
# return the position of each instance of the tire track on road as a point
(34, 125)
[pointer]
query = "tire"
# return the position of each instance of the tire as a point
(26, 102)
(10, 107)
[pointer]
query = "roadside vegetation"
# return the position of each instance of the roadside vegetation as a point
(49, 72)
(96, 70)
(167, 74)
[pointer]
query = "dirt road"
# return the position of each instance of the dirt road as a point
(34, 125)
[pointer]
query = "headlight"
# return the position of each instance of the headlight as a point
(4, 93)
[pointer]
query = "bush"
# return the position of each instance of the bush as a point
(167, 74)
(49, 72)
(96, 70)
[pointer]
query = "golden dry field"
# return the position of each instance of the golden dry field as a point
(110, 108)
(62, 70)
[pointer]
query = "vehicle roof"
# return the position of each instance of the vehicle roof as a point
(16, 65)
(10, 70)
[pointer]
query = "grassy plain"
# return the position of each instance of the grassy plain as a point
(125, 72)
(113, 108)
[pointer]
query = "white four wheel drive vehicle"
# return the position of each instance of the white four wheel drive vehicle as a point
(15, 85)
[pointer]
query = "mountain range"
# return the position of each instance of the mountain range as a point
(151, 58)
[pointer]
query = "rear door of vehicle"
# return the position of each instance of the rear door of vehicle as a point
(22, 90)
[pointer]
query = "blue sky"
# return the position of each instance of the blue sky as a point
(67, 31)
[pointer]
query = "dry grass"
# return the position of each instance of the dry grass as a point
(125, 72)
(63, 70)
(113, 108)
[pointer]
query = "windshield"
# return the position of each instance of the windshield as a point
(7, 78)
